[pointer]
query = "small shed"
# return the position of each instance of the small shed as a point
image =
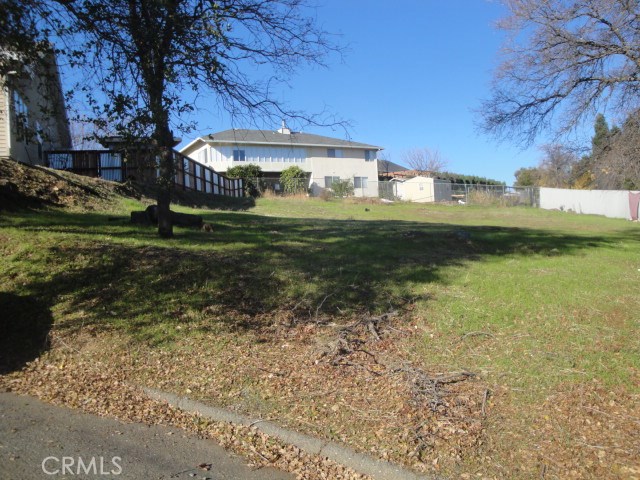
(423, 189)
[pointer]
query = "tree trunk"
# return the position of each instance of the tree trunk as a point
(165, 183)
(163, 142)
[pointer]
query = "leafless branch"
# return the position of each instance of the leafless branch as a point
(425, 161)
(563, 61)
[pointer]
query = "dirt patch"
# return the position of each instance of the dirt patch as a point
(25, 186)
(342, 383)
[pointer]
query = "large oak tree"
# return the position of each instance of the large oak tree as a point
(144, 60)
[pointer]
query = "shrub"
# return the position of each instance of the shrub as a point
(249, 175)
(294, 180)
(342, 188)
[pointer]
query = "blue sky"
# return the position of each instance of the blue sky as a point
(412, 76)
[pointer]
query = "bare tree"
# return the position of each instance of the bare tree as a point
(84, 134)
(384, 163)
(143, 57)
(556, 166)
(618, 166)
(425, 160)
(563, 61)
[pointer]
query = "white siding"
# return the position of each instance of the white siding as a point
(261, 155)
(5, 125)
(315, 160)
(42, 102)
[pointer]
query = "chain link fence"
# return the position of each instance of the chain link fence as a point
(497, 195)
(468, 194)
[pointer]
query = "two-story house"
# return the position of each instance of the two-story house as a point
(33, 117)
(326, 159)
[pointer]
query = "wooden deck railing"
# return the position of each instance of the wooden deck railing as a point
(112, 165)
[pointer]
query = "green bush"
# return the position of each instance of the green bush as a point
(294, 180)
(342, 188)
(249, 175)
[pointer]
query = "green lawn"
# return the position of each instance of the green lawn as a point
(532, 301)
(549, 296)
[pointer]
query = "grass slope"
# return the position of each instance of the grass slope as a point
(266, 313)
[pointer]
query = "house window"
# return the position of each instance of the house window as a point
(369, 155)
(334, 153)
(22, 118)
(421, 186)
(328, 181)
(239, 155)
(360, 182)
(202, 156)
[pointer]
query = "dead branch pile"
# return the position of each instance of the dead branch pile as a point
(442, 407)
(352, 339)
(429, 390)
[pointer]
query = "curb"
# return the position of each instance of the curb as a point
(361, 463)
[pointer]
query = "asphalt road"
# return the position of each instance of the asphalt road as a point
(42, 441)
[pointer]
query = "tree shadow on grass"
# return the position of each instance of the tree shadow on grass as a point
(253, 269)
(25, 323)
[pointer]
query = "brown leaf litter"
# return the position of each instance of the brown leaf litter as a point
(362, 393)
(101, 389)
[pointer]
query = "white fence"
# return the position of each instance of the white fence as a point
(610, 203)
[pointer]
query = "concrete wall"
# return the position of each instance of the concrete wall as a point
(610, 203)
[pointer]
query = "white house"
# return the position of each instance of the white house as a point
(326, 159)
(423, 189)
(33, 117)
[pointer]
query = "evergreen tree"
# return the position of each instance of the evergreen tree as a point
(527, 177)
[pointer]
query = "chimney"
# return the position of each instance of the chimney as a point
(284, 129)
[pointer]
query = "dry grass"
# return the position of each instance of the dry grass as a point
(490, 199)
